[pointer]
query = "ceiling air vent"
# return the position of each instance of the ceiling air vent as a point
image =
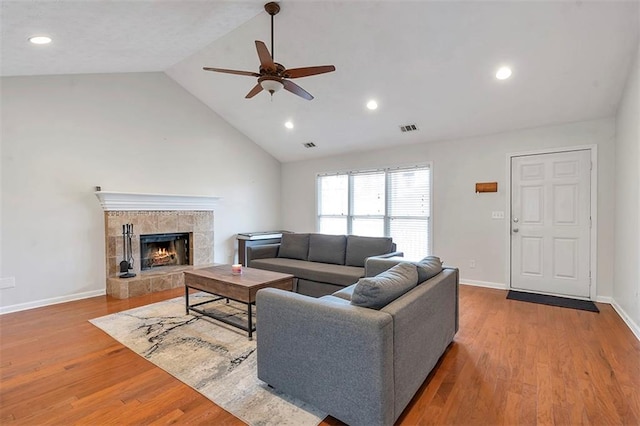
(409, 128)
(309, 145)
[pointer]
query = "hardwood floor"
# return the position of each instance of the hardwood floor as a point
(511, 363)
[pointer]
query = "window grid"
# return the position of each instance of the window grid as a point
(406, 191)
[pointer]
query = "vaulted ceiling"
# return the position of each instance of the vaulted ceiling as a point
(426, 63)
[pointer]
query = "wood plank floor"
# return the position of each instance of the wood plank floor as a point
(511, 363)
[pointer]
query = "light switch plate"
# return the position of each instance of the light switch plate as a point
(497, 215)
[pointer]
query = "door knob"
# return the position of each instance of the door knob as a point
(515, 219)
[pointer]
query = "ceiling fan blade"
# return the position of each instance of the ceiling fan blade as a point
(248, 73)
(256, 89)
(307, 71)
(297, 90)
(265, 57)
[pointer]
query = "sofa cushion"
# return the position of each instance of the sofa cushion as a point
(316, 289)
(428, 267)
(376, 292)
(294, 246)
(327, 248)
(322, 272)
(345, 293)
(333, 299)
(359, 248)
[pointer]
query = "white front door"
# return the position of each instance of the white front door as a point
(550, 223)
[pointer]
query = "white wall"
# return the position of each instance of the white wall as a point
(63, 135)
(626, 288)
(462, 224)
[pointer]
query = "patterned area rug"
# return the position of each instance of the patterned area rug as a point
(215, 359)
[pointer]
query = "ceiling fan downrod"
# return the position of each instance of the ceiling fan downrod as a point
(272, 9)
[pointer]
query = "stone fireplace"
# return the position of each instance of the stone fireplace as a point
(171, 234)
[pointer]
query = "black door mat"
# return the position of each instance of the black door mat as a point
(562, 302)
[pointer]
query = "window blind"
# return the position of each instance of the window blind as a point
(387, 202)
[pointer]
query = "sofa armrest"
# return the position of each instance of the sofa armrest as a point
(333, 355)
(425, 321)
(377, 264)
(392, 254)
(264, 251)
(456, 273)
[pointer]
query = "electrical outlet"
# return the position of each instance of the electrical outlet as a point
(7, 282)
(497, 215)
(472, 263)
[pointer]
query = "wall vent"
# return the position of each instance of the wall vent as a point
(409, 128)
(309, 145)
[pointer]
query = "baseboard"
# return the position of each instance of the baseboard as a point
(52, 301)
(486, 284)
(635, 329)
(603, 299)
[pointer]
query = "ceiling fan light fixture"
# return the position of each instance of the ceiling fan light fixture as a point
(271, 86)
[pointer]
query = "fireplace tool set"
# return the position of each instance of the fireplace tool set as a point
(127, 262)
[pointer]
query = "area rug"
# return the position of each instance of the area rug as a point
(213, 358)
(562, 302)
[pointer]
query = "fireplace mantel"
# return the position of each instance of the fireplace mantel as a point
(127, 201)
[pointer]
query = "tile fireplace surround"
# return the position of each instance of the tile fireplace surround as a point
(154, 214)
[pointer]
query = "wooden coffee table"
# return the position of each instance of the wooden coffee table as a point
(219, 281)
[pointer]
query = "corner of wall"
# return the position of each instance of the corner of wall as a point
(635, 328)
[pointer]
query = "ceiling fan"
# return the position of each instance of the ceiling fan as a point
(273, 76)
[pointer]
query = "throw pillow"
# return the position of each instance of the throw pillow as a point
(428, 267)
(327, 248)
(377, 292)
(359, 248)
(294, 246)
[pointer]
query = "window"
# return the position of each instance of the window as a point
(333, 205)
(390, 202)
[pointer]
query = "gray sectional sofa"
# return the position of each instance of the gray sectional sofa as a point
(349, 354)
(322, 264)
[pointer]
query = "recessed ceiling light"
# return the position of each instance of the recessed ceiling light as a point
(372, 105)
(503, 73)
(40, 39)
(288, 125)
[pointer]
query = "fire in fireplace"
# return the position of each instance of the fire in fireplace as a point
(157, 250)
